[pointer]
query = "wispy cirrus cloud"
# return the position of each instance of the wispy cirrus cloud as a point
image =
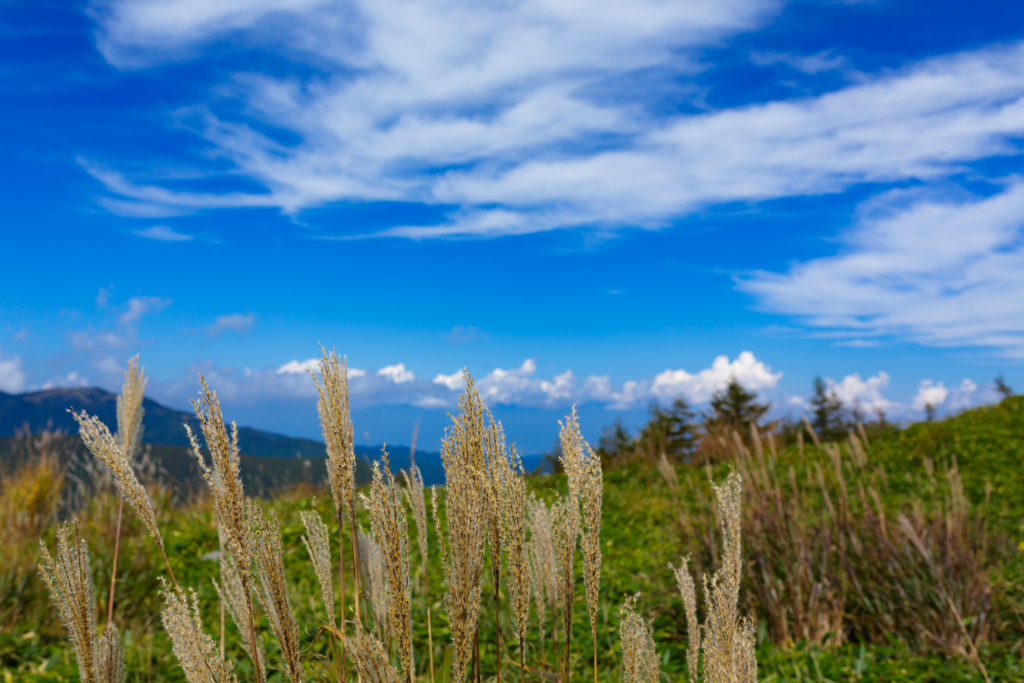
(163, 233)
(139, 306)
(503, 112)
(233, 322)
(938, 270)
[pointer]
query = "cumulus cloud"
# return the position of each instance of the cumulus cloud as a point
(12, 374)
(139, 306)
(397, 373)
(869, 395)
(294, 367)
(964, 396)
(938, 271)
(235, 322)
(753, 374)
(454, 381)
(162, 233)
(520, 386)
(930, 394)
(855, 392)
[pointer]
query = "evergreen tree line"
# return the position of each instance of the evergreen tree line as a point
(676, 430)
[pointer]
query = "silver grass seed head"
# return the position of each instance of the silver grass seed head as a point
(513, 512)
(69, 580)
(272, 589)
(318, 544)
(224, 476)
(542, 546)
(639, 656)
(369, 657)
(235, 598)
(130, 410)
(106, 448)
(565, 530)
(466, 522)
(371, 566)
(728, 641)
(391, 527)
(688, 592)
(336, 425)
(592, 492)
(109, 656)
(199, 657)
(415, 494)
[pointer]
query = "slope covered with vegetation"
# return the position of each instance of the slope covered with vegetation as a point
(860, 564)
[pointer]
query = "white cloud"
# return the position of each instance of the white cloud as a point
(930, 393)
(454, 381)
(964, 396)
(809, 64)
(513, 97)
(294, 367)
(520, 386)
(397, 373)
(517, 385)
(753, 374)
(139, 306)
(939, 272)
(162, 233)
(867, 394)
(12, 374)
(235, 322)
(102, 298)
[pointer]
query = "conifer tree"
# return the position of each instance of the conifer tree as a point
(829, 416)
(735, 408)
(669, 430)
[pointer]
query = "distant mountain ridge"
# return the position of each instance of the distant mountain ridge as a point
(164, 426)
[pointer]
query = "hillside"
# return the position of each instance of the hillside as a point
(648, 522)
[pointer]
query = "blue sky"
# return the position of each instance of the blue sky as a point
(602, 203)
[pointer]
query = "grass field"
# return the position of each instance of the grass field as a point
(649, 522)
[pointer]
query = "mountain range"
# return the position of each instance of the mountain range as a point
(269, 460)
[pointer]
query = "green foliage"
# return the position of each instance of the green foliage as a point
(669, 430)
(615, 441)
(734, 408)
(829, 416)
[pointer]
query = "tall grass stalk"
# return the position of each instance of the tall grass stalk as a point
(465, 526)
(392, 528)
(567, 521)
(225, 482)
(494, 468)
(415, 493)
(513, 517)
(639, 656)
(336, 425)
(129, 435)
(195, 651)
(107, 449)
(69, 579)
(272, 588)
(543, 566)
